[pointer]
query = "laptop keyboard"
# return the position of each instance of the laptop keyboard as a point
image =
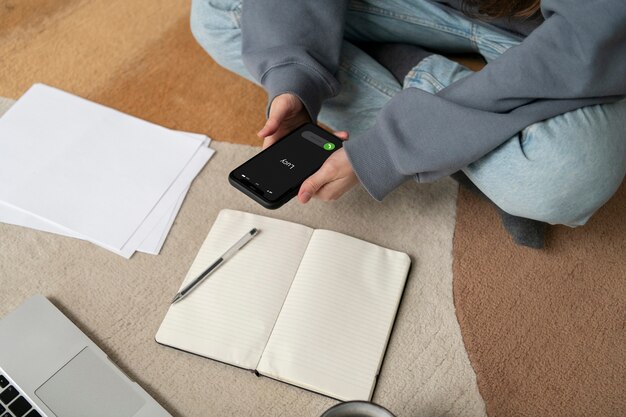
(12, 404)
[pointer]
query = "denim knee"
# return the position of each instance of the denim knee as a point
(216, 25)
(559, 171)
(537, 203)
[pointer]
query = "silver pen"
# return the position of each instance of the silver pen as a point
(229, 253)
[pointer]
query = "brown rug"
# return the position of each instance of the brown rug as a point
(545, 330)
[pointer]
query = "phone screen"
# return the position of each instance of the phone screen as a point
(279, 170)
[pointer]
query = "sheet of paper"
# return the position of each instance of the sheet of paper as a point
(167, 201)
(87, 168)
(154, 242)
(151, 245)
(17, 216)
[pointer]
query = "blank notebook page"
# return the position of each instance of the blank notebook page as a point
(332, 332)
(230, 315)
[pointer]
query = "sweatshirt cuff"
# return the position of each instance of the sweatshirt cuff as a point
(373, 165)
(299, 80)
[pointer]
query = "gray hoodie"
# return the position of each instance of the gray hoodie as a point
(575, 58)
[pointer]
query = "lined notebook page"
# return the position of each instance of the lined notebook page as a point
(332, 333)
(230, 315)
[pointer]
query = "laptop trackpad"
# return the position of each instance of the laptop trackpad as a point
(88, 386)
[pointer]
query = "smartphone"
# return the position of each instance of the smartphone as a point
(274, 176)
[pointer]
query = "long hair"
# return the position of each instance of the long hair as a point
(500, 8)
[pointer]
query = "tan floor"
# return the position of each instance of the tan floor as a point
(544, 330)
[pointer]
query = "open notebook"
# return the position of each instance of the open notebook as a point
(313, 308)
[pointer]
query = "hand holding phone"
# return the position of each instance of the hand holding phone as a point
(287, 113)
(332, 180)
(275, 175)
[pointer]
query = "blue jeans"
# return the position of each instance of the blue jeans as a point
(559, 171)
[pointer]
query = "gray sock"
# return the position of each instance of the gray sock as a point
(525, 232)
(398, 58)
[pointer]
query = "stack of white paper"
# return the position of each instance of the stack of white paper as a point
(76, 168)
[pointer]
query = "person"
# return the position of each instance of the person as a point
(540, 130)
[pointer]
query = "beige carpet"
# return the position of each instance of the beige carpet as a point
(121, 303)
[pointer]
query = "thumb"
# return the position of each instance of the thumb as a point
(309, 188)
(270, 127)
(279, 111)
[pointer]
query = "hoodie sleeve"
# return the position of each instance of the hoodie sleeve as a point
(294, 46)
(577, 57)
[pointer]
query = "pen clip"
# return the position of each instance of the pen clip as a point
(240, 244)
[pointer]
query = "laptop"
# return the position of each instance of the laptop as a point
(48, 367)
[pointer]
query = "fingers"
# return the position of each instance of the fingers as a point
(286, 113)
(331, 181)
(311, 185)
(316, 181)
(333, 190)
(281, 108)
(278, 113)
(309, 188)
(342, 134)
(271, 126)
(268, 142)
(280, 132)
